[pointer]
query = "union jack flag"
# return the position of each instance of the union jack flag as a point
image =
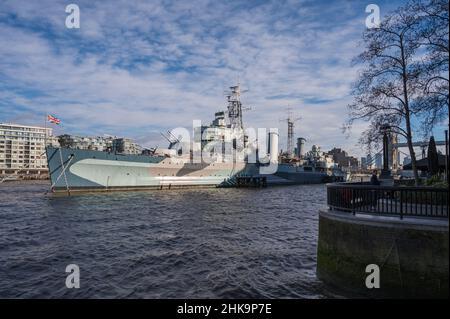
(53, 119)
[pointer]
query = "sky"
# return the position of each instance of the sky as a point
(138, 68)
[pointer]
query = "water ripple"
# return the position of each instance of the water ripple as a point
(208, 243)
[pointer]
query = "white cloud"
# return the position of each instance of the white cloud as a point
(138, 67)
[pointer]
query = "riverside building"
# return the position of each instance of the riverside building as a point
(22, 149)
(100, 143)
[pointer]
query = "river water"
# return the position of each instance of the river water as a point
(196, 243)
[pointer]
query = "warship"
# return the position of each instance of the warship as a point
(219, 156)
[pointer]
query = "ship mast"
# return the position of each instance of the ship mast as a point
(235, 107)
(290, 136)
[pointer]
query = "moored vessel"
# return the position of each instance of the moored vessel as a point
(219, 155)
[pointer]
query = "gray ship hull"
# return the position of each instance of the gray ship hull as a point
(84, 170)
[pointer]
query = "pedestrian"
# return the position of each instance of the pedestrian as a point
(374, 193)
(374, 179)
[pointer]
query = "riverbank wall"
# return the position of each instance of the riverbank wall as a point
(412, 254)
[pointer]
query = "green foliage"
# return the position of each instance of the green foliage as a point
(433, 159)
(436, 180)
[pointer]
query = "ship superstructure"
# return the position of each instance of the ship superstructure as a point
(217, 153)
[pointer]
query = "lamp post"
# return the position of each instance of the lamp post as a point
(446, 158)
(385, 172)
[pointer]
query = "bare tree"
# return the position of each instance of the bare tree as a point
(388, 81)
(432, 34)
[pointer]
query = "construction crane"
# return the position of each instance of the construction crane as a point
(291, 119)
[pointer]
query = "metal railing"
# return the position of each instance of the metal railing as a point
(388, 200)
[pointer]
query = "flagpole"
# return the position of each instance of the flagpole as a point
(45, 130)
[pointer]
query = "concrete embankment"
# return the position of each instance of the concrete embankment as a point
(23, 174)
(411, 254)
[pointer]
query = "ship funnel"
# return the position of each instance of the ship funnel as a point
(273, 147)
(300, 147)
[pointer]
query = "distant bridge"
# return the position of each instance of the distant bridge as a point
(423, 145)
(394, 159)
(418, 144)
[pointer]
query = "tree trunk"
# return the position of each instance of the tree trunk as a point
(407, 115)
(411, 150)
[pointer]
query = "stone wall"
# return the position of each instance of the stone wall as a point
(412, 254)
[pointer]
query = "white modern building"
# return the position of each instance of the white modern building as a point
(22, 148)
(126, 146)
(99, 143)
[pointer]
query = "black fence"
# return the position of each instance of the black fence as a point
(388, 200)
